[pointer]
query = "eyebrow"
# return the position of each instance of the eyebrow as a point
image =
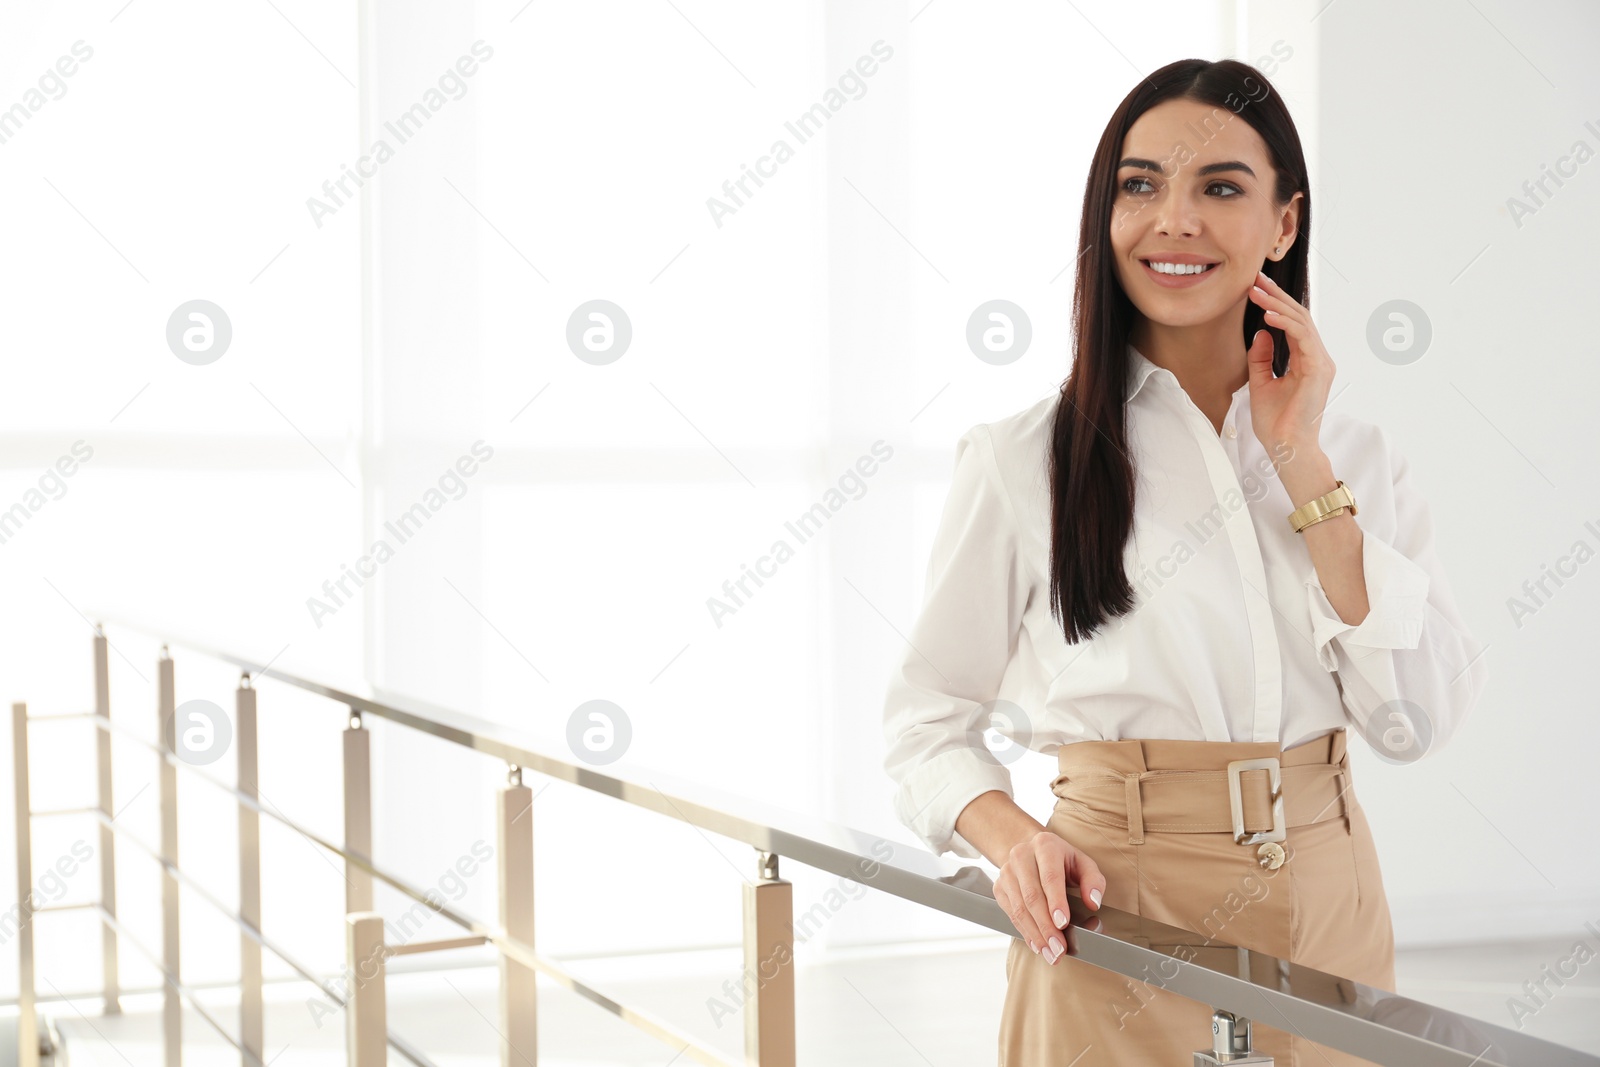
(1209, 168)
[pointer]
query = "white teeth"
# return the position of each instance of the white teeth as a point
(1179, 268)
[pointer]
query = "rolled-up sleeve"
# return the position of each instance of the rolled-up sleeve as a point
(956, 655)
(1410, 672)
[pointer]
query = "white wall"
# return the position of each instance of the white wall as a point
(1432, 119)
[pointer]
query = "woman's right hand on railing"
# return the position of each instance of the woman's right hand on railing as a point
(1032, 889)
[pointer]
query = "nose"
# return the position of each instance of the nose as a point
(1174, 215)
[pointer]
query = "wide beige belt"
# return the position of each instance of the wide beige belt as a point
(1198, 802)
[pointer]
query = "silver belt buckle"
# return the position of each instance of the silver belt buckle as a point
(1236, 801)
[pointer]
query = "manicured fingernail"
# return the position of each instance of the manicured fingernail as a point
(1033, 946)
(1061, 920)
(1056, 948)
(1094, 895)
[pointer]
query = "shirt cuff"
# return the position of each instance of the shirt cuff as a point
(934, 794)
(1397, 599)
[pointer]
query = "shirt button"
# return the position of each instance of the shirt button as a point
(1230, 431)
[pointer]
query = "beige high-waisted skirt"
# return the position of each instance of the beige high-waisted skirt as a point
(1155, 816)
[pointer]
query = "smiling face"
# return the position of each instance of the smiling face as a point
(1195, 187)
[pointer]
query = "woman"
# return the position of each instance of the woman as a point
(1113, 575)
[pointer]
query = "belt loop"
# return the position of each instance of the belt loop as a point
(1341, 756)
(1135, 808)
(1343, 778)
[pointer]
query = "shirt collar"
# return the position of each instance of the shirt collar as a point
(1139, 369)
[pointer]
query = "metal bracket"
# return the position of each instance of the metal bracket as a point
(1230, 1042)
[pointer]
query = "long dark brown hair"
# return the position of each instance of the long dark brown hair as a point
(1091, 472)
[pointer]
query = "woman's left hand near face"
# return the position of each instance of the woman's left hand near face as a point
(1287, 410)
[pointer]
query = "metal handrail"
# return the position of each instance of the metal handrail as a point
(1373, 1023)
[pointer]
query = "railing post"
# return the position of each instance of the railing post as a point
(769, 958)
(518, 990)
(250, 1007)
(357, 812)
(171, 957)
(27, 1021)
(366, 1024)
(110, 981)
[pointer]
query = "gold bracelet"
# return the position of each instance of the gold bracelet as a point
(1324, 507)
(1319, 518)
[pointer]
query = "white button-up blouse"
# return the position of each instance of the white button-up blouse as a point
(1232, 637)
